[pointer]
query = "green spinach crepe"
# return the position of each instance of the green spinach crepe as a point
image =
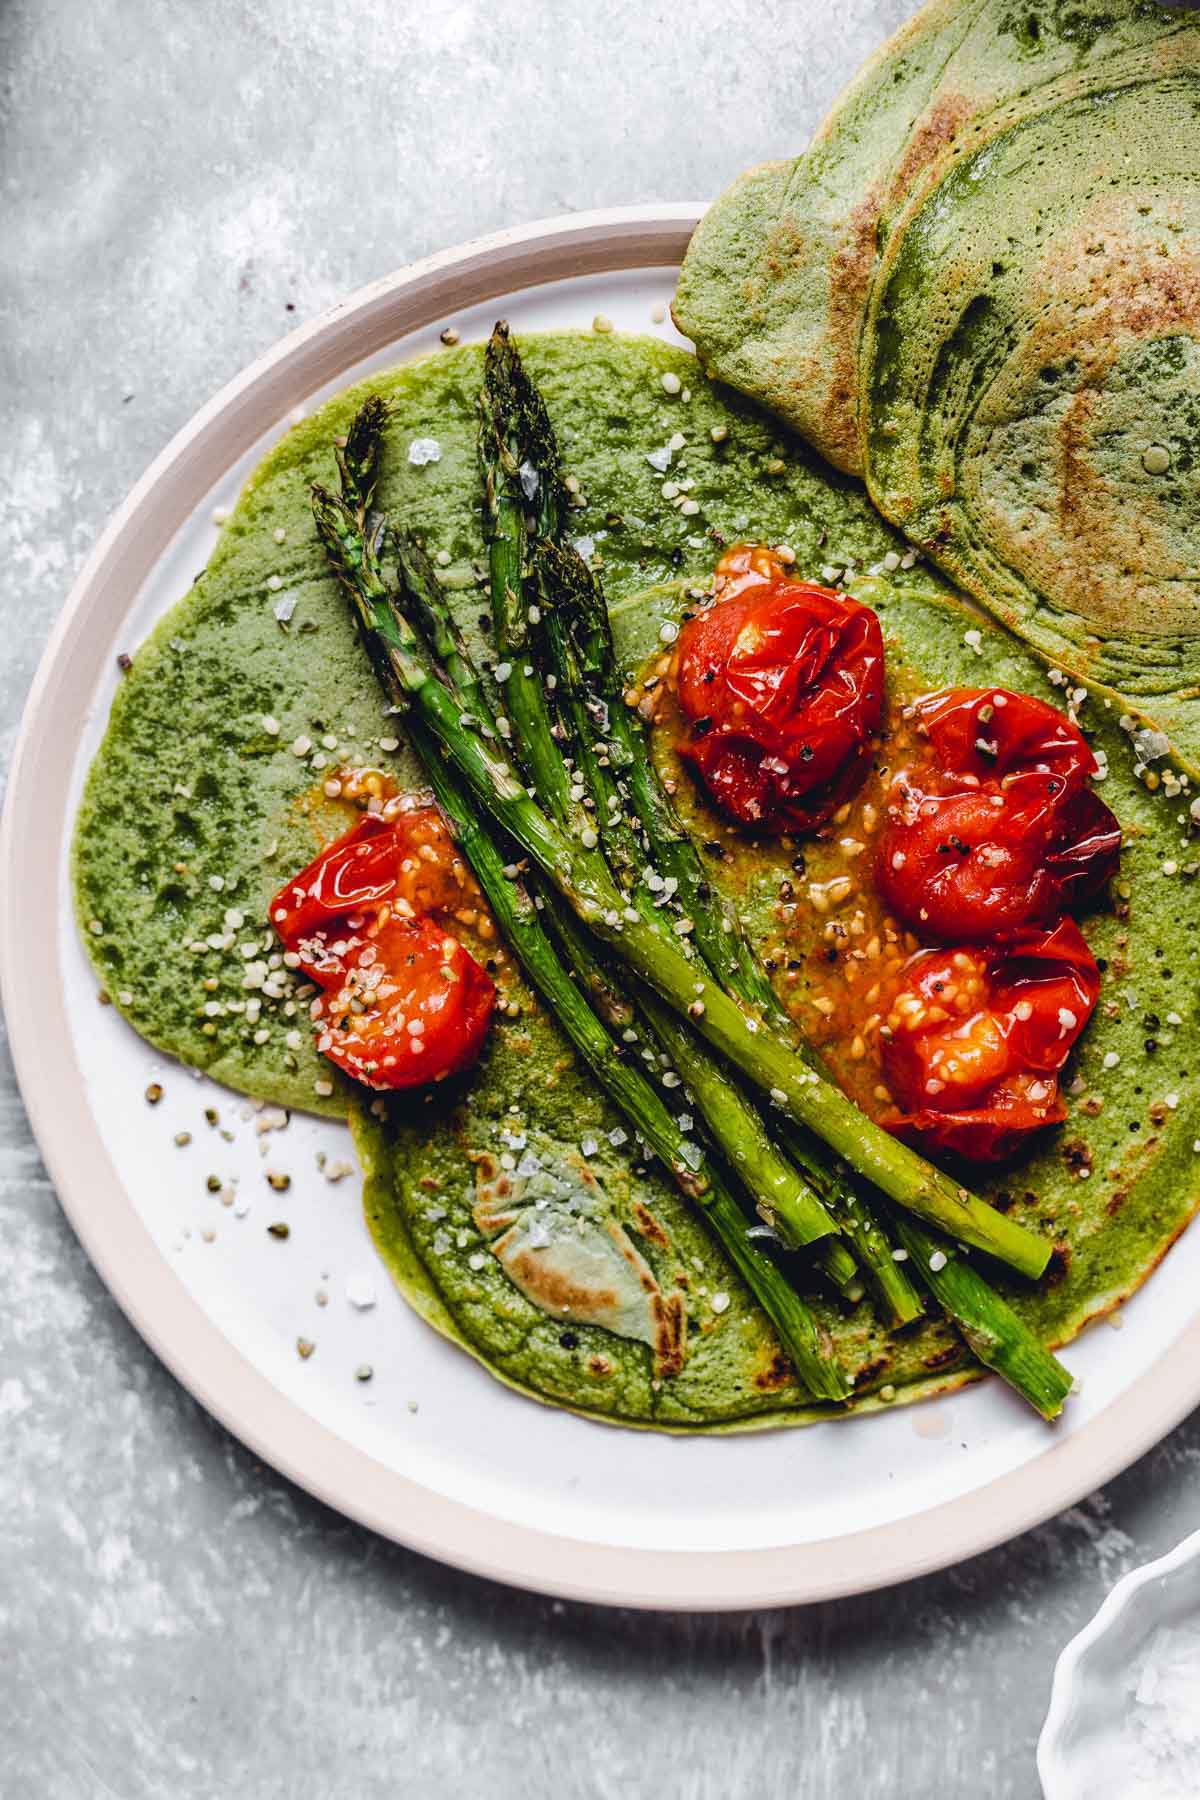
(1032, 385)
(980, 288)
(509, 1205)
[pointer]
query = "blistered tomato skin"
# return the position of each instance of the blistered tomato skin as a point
(977, 1037)
(781, 683)
(426, 1006)
(996, 827)
(403, 1003)
(356, 873)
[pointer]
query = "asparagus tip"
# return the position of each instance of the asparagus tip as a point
(357, 454)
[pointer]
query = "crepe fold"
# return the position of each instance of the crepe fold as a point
(980, 290)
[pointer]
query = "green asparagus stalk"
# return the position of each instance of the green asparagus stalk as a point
(519, 461)
(993, 1331)
(589, 674)
(895, 1294)
(783, 1196)
(522, 480)
(768, 1062)
(785, 1199)
(517, 916)
(525, 496)
(502, 402)
(522, 483)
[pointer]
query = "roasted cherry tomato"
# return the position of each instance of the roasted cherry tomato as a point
(781, 683)
(996, 826)
(403, 1003)
(976, 1038)
(409, 861)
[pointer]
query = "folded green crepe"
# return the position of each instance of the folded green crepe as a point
(1032, 385)
(980, 288)
(508, 1205)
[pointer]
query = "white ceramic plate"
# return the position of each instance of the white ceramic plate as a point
(430, 1450)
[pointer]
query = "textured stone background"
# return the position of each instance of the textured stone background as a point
(175, 1622)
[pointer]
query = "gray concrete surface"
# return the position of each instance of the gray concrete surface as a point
(175, 1622)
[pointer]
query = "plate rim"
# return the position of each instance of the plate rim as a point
(151, 1295)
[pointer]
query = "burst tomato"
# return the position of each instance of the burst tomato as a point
(996, 827)
(781, 683)
(402, 1002)
(977, 1037)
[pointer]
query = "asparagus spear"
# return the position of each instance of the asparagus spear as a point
(994, 1332)
(520, 465)
(779, 1191)
(502, 404)
(355, 559)
(784, 1199)
(992, 1329)
(768, 1062)
(525, 494)
(895, 1293)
